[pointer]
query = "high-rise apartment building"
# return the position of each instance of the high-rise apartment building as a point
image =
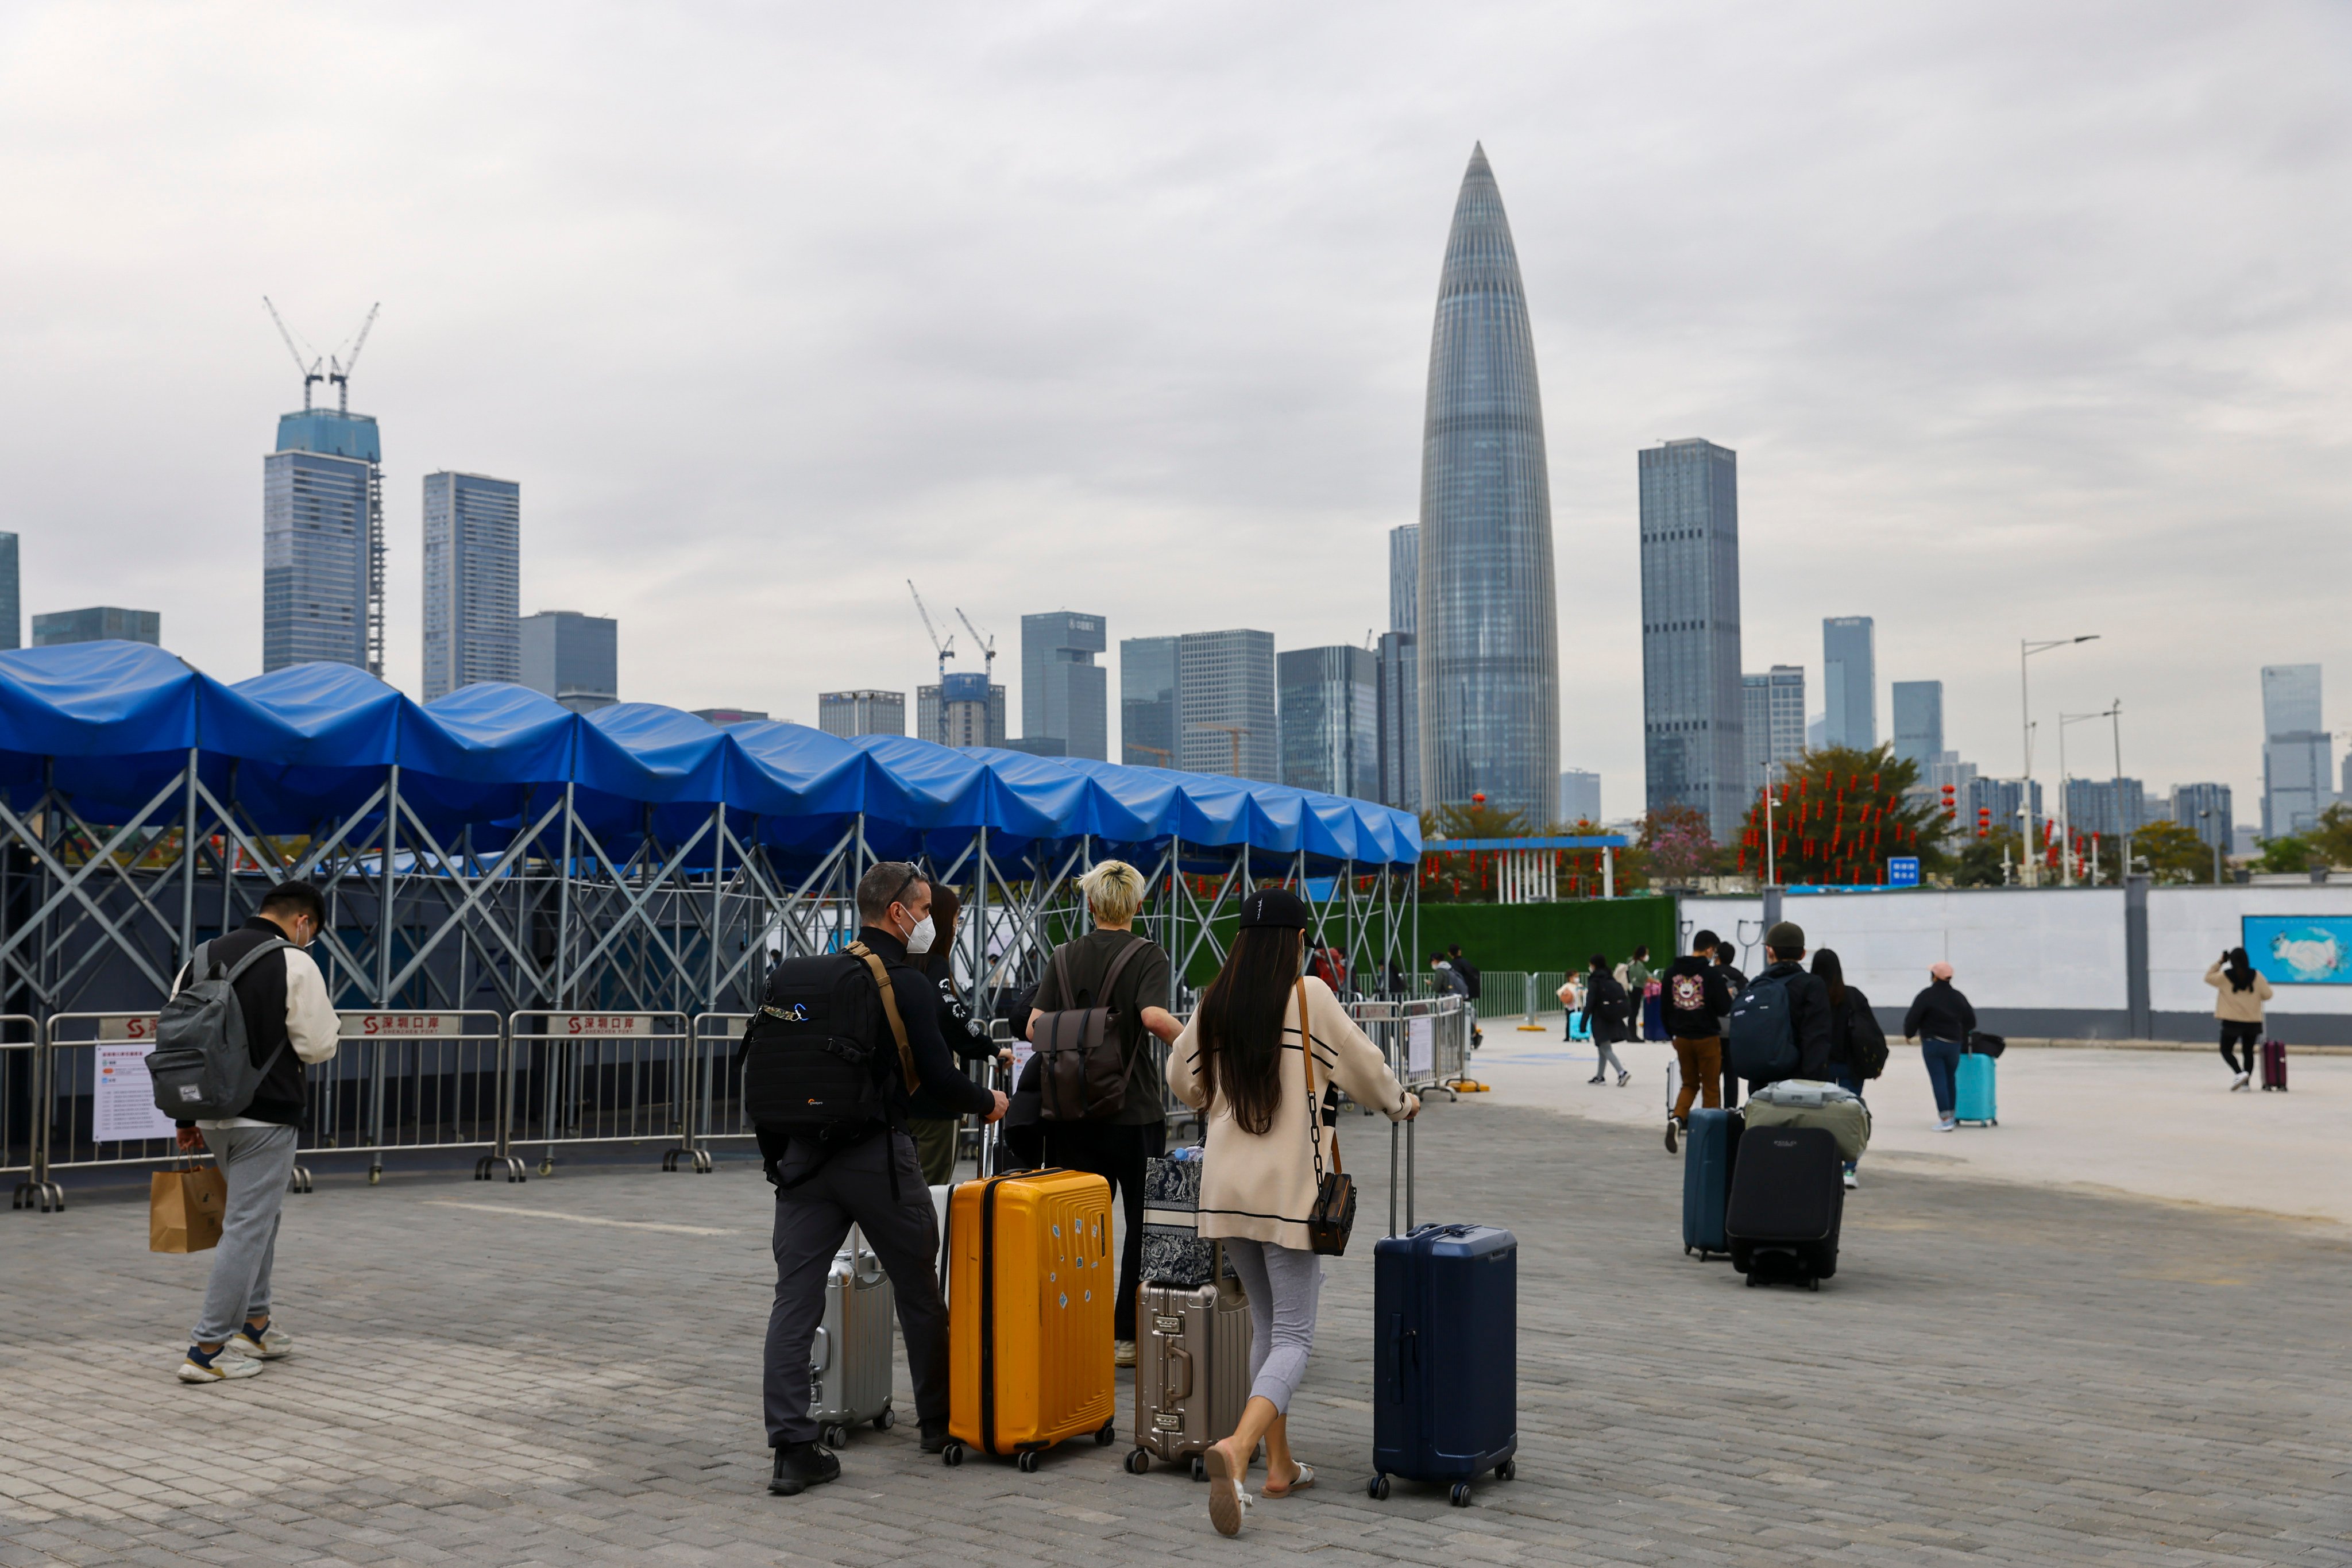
(1850, 682)
(1224, 691)
(1149, 711)
(12, 612)
(1919, 722)
(1693, 723)
(2204, 810)
(972, 713)
(100, 623)
(1329, 720)
(2005, 799)
(1772, 724)
(861, 712)
(1063, 693)
(473, 581)
(1404, 577)
(1398, 670)
(1485, 630)
(2108, 808)
(572, 657)
(1579, 797)
(323, 543)
(2298, 755)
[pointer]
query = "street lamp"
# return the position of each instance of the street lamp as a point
(2065, 808)
(2026, 649)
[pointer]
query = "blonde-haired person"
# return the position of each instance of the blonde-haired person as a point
(1241, 1060)
(1116, 1149)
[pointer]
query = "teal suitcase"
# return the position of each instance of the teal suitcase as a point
(1973, 1088)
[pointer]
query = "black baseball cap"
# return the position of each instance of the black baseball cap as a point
(1275, 907)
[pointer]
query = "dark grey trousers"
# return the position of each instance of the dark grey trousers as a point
(813, 1219)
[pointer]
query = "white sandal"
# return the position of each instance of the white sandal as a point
(1229, 1499)
(1306, 1479)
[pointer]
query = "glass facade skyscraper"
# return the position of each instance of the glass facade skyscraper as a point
(864, 712)
(1404, 577)
(473, 581)
(12, 612)
(1693, 709)
(1225, 696)
(1063, 694)
(1485, 630)
(1397, 671)
(1330, 710)
(1773, 723)
(1850, 682)
(1919, 722)
(322, 541)
(1148, 711)
(2298, 772)
(572, 657)
(100, 623)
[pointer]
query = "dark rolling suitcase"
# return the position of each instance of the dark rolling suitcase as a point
(1445, 1368)
(2274, 1064)
(1788, 1198)
(1709, 1151)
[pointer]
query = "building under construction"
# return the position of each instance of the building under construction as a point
(322, 524)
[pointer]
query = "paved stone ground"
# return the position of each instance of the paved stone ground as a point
(1997, 1374)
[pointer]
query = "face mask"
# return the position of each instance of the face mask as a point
(918, 940)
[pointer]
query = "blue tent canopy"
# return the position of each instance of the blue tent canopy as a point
(110, 724)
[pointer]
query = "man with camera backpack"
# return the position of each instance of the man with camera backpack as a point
(830, 1059)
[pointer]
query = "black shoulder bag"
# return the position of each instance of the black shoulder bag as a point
(1334, 1214)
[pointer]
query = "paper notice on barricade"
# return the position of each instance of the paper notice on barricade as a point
(1420, 1047)
(1022, 1051)
(124, 1107)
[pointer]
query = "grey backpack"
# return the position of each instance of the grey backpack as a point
(201, 1066)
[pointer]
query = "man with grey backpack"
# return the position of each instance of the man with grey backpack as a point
(246, 1015)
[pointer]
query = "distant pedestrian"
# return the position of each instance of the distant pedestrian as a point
(1469, 974)
(290, 1022)
(1694, 1001)
(1727, 958)
(1941, 1020)
(1604, 1011)
(1857, 1045)
(2240, 993)
(1569, 1001)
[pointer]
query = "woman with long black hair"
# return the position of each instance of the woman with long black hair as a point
(2241, 993)
(1856, 1042)
(1241, 1062)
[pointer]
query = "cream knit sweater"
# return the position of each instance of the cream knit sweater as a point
(1262, 1186)
(2236, 1006)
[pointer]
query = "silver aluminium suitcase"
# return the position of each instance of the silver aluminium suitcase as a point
(849, 1360)
(1191, 1370)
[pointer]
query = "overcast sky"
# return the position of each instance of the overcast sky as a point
(2024, 320)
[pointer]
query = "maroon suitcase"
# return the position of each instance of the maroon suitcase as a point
(2274, 1064)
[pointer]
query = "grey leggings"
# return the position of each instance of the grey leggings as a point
(1608, 1056)
(1285, 1285)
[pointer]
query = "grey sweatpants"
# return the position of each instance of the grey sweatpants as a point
(1284, 1287)
(812, 1221)
(258, 1163)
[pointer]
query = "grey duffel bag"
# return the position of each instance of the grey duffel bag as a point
(1806, 1102)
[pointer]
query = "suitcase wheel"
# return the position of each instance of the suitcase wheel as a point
(1507, 1470)
(1028, 1463)
(1460, 1496)
(1376, 1489)
(833, 1435)
(1138, 1461)
(952, 1454)
(888, 1420)
(1200, 1468)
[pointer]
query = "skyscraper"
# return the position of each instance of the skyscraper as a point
(1579, 797)
(2298, 770)
(1225, 692)
(323, 543)
(473, 581)
(1919, 723)
(572, 657)
(2204, 810)
(11, 614)
(1397, 669)
(1404, 577)
(1850, 682)
(1148, 711)
(1330, 721)
(1485, 631)
(100, 623)
(2108, 808)
(1694, 722)
(973, 714)
(862, 713)
(1063, 691)
(1772, 724)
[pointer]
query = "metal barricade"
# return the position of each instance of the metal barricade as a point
(404, 1081)
(22, 1145)
(95, 1108)
(587, 1077)
(1425, 1039)
(717, 1082)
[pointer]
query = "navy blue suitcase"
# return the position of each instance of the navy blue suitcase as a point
(1710, 1149)
(1445, 1302)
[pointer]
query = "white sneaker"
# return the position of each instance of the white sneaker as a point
(2241, 1081)
(268, 1345)
(1624, 1078)
(1852, 1181)
(226, 1365)
(1949, 1124)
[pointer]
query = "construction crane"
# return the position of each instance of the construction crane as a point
(987, 646)
(1235, 730)
(310, 377)
(945, 648)
(339, 370)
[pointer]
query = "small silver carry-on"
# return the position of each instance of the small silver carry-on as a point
(1192, 1371)
(849, 1360)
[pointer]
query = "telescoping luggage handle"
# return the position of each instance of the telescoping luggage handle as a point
(1394, 1126)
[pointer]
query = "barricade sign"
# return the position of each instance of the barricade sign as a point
(603, 1077)
(113, 1026)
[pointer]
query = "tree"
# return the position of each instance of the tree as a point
(1679, 848)
(2331, 837)
(1839, 814)
(2174, 852)
(2290, 853)
(1466, 876)
(1985, 862)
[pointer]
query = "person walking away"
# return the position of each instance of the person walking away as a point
(1694, 1001)
(1727, 959)
(1116, 1149)
(1857, 1045)
(2238, 995)
(935, 1129)
(1941, 1020)
(1641, 986)
(1244, 1062)
(1604, 1011)
(1469, 974)
(868, 1176)
(1809, 1004)
(289, 1023)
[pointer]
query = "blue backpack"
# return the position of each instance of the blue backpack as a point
(1763, 1036)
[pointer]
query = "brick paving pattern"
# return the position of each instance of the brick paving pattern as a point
(1997, 1375)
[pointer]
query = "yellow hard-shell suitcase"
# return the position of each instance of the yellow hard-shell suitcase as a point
(1032, 1282)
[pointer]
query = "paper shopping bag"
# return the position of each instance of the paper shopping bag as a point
(183, 1208)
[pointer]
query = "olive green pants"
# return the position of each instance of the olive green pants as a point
(935, 1146)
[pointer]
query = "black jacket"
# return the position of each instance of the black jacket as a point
(262, 997)
(946, 1091)
(1697, 982)
(1808, 1015)
(1844, 1018)
(1469, 972)
(1604, 1007)
(1939, 1012)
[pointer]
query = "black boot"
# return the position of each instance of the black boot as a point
(935, 1435)
(799, 1466)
